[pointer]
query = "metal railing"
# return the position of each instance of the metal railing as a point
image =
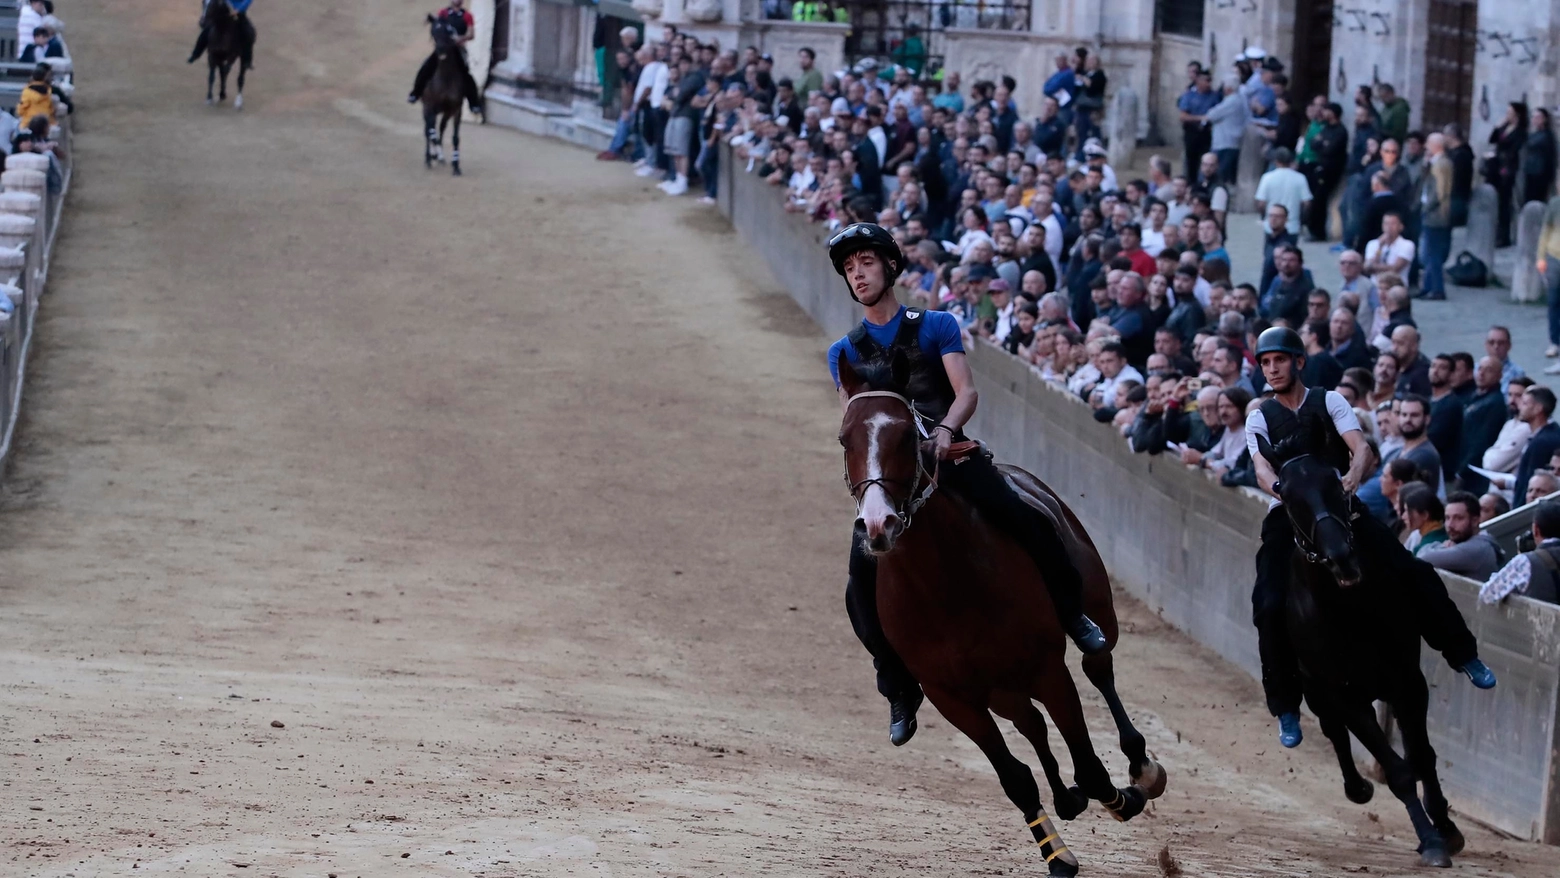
(887, 30)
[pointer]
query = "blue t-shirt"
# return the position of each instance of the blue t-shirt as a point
(939, 335)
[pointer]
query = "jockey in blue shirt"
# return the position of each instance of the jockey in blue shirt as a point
(241, 11)
(937, 380)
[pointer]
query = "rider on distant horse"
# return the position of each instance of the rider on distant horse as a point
(463, 26)
(939, 383)
(241, 12)
(1328, 429)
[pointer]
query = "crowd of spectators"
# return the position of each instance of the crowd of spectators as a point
(1118, 288)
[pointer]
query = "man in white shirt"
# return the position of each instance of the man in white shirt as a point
(1153, 237)
(1112, 363)
(1284, 185)
(30, 16)
(1391, 253)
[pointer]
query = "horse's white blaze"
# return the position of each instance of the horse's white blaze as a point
(875, 504)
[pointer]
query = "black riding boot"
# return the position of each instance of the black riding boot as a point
(894, 680)
(978, 481)
(473, 95)
(200, 46)
(424, 73)
(1280, 667)
(247, 54)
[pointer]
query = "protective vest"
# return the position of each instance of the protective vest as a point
(927, 386)
(1320, 434)
(812, 11)
(1543, 575)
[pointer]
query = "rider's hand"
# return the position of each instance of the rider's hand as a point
(1350, 484)
(942, 437)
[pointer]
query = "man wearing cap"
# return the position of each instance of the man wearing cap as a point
(869, 78)
(939, 384)
(1321, 423)
(1094, 154)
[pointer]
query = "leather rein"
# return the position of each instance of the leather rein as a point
(923, 484)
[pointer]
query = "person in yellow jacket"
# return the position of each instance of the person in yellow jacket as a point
(819, 10)
(37, 98)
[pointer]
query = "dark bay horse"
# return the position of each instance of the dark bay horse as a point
(224, 47)
(442, 97)
(968, 612)
(1357, 644)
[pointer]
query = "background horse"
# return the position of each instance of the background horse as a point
(442, 97)
(968, 612)
(1356, 645)
(224, 47)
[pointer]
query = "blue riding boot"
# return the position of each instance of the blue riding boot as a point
(1479, 674)
(1289, 730)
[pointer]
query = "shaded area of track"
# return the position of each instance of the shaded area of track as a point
(513, 499)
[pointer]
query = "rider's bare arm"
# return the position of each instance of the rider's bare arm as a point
(1266, 476)
(964, 395)
(1360, 460)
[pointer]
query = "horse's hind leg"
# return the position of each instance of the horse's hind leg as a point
(1060, 698)
(1410, 711)
(211, 80)
(238, 100)
(222, 94)
(1400, 779)
(1145, 772)
(444, 121)
(975, 721)
(455, 146)
(1025, 717)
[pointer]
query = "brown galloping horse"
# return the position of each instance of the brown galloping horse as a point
(968, 612)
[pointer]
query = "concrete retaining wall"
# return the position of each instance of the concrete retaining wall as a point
(16, 332)
(1185, 546)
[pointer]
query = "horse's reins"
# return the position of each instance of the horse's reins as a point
(918, 495)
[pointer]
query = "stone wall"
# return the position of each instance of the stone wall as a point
(1169, 81)
(1184, 546)
(1516, 61)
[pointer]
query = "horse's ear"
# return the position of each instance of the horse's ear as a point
(849, 380)
(899, 371)
(1265, 448)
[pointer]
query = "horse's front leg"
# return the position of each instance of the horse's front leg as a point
(222, 94)
(211, 80)
(238, 100)
(455, 146)
(428, 135)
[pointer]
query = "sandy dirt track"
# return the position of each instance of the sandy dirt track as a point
(370, 522)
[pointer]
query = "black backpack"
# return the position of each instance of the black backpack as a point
(1468, 271)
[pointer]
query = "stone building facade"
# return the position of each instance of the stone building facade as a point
(1454, 60)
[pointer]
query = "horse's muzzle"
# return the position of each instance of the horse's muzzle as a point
(882, 534)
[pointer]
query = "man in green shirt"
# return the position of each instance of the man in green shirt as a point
(810, 79)
(1394, 113)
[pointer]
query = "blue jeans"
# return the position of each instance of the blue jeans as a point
(1552, 282)
(624, 136)
(1435, 245)
(709, 166)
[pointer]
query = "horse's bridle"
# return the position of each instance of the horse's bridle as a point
(922, 484)
(1306, 543)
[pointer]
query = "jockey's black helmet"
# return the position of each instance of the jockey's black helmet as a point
(1280, 340)
(867, 236)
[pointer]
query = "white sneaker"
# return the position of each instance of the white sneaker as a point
(1553, 370)
(705, 199)
(1552, 351)
(678, 187)
(664, 185)
(645, 170)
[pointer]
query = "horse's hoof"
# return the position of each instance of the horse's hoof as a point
(455, 170)
(209, 102)
(1060, 868)
(1361, 794)
(1132, 801)
(1152, 779)
(1454, 838)
(238, 102)
(1436, 857)
(1071, 805)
